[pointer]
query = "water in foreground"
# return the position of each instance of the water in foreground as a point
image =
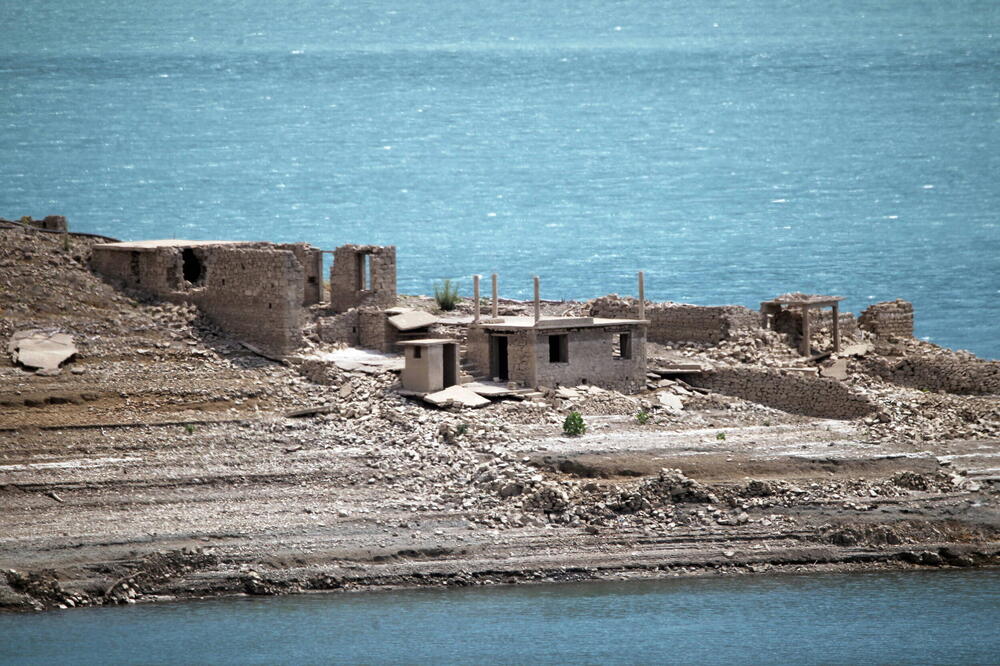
(914, 617)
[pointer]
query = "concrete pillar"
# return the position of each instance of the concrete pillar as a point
(475, 297)
(836, 328)
(804, 345)
(642, 295)
(538, 300)
(495, 312)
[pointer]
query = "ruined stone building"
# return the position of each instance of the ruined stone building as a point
(254, 291)
(565, 351)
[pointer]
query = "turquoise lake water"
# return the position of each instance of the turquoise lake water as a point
(734, 149)
(949, 617)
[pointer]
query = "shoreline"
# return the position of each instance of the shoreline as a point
(168, 460)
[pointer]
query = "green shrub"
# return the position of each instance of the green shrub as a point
(446, 295)
(720, 436)
(188, 428)
(643, 418)
(574, 426)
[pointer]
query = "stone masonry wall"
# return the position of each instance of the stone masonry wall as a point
(790, 392)
(254, 291)
(346, 280)
(477, 350)
(311, 259)
(591, 359)
(953, 372)
(375, 331)
(680, 322)
(343, 328)
(255, 295)
(888, 319)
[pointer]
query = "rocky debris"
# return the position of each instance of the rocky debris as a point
(456, 396)
(44, 350)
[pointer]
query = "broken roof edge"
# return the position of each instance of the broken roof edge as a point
(150, 245)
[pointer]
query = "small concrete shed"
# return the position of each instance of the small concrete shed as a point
(432, 364)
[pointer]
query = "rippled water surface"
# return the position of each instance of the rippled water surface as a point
(732, 149)
(897, 618)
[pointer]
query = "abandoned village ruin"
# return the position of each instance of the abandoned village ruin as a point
(271, 297)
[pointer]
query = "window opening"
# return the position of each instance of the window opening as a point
(559, 348)
(194, 270)
(622, 345)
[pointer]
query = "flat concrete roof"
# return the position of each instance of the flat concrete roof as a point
(427, 342)
(559, 322)
(139, 246)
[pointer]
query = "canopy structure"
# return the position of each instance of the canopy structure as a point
(804, 303)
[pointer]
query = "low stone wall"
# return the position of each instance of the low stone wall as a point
(343, 328)
(680, 322)
(890, 319)
(375, 331)
(953, 372)
(790, 392)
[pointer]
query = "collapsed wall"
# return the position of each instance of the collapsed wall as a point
(889, 319)
(254, 291)
(795, 393)
(943, 370)
(681, 322)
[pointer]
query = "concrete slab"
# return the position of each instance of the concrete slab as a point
(408, 321)
(489, 389)
(42, 350)
(456, 396)
(836, 370)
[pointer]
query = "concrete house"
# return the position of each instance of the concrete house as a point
(565, 351)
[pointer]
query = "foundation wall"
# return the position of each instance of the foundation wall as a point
(890, 319)
(798, 394)
(363, 276)
(680, 322)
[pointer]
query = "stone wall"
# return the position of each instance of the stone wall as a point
(363, 276)
(253, 291)
(790, 392)
(375, 331)
(889, 319)
(680, 322)
(953, 372)
(477, 350)
(343, 328)
(255, 295)
(311, 259)
(591, 359)
(789, 320)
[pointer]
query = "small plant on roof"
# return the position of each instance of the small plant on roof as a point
(643, 418)
(574, 426)
(446, 295)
